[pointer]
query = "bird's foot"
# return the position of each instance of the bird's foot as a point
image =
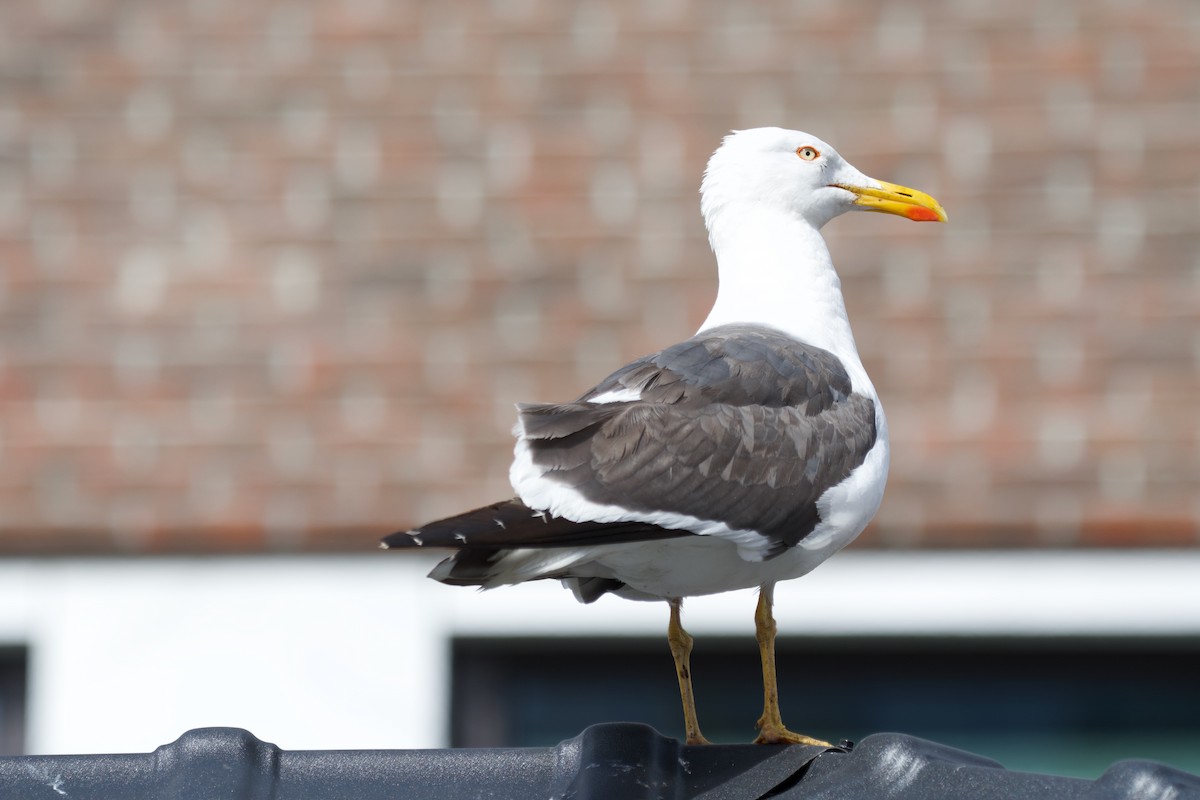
(777, 734)
(696, 738)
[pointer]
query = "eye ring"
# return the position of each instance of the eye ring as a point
(808, 153)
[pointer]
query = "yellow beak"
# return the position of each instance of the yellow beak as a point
(891, 198)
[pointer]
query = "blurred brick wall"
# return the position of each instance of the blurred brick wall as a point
(272, 274)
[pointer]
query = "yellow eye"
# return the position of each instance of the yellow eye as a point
(808, 153)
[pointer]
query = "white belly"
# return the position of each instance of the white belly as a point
(698, 565)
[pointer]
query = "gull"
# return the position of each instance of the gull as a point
(743, 456)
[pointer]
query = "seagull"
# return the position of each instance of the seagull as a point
(741, 457)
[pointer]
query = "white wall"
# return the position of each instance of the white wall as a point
(347, 652)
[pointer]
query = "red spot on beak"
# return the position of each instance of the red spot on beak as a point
(921, 214)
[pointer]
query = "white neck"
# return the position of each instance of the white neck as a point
(775, 269)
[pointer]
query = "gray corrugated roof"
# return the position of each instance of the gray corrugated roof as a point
(616, 760)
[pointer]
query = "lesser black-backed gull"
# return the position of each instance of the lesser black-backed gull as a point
(741, 457)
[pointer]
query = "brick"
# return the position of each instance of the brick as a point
(259, 259)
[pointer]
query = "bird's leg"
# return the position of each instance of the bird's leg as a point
(681, 651)
(770, 724)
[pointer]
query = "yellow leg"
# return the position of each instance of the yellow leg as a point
(681, 651)
(770, 725)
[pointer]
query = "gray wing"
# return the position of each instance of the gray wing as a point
(741, 424)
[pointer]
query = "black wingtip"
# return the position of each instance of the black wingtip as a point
(402, 539)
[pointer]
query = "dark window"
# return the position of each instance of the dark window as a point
(13, 662)
(1064, 705)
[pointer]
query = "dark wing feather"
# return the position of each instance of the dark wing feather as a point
(741, 425)
(511, 524)
(482, 536)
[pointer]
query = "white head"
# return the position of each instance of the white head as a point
(799, 174)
